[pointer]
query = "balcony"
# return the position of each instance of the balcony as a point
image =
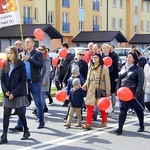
(96, 6)
(95, 27)
(65, 27)
(65, 3)
(27, 20)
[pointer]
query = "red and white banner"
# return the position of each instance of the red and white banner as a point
(9, 13)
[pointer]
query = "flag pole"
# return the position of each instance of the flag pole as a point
(21, 33)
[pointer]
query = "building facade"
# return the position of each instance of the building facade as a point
(70, 17)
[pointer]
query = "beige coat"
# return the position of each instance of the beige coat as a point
(92, 83)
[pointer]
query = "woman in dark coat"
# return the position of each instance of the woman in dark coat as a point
(13, 82)
(131, 76)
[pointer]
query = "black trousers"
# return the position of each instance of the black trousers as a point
(7, 112)
(147, 104)
(123, 115)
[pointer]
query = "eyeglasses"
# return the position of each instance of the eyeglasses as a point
(81, 54)
(95, 57)
(40, 49)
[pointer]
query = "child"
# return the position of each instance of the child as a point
(75, 74)
(76, 97)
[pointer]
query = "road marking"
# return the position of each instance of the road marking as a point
(68, 139)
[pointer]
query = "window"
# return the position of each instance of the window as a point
(135, 29)
(51, 17)
(65, 22)
(81, 25)
(147, 26)
(96, 5)
(142, 25)
(65, 3)
(27, 15)
(147, 6)
(101, 2)
(100, 21)
(27, 11)
(36, 14)
(142, 6)
(113, 3)
(135, 9)
(121, 23)
(113, 23)
(81, 5)
(95, 23)
(121, 4)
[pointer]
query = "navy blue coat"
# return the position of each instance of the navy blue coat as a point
(69, 84)
(16, 83)
(76, 97)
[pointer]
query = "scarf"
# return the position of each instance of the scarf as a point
(128, 66)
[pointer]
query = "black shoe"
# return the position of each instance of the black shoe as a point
(26, 135)
(45, 109)
(16, 128)
(3, 139)
(141, 129)
(41, 125)
(34, 111)
(118, 132)
(65, 103)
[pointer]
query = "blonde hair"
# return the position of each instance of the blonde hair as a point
(107, 45)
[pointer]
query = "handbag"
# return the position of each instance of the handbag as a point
(99, 93)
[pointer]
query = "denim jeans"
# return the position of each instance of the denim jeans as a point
(43, 99)
(35, 90)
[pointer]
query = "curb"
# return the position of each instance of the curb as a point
(52, 94)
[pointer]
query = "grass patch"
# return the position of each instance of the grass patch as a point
(1, 97)
(53, 89)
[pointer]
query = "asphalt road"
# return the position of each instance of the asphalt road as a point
(56, 136)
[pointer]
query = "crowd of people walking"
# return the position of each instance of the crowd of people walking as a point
(28, 73)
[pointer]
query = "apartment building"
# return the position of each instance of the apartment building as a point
(70, 17)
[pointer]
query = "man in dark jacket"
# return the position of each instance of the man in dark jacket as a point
(34, 62)
(63, 67)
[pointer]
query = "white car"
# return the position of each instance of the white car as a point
(122, 53)
(74, 50)
(146, 52)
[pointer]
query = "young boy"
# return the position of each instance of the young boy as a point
(76, 97)
(75, 74)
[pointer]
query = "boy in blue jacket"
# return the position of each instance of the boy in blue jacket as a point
(76, 97)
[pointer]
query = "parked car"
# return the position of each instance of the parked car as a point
(122, 53)
(74, 50)
(146, 52)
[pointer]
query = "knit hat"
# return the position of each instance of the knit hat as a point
(75, 69)
(76, 81)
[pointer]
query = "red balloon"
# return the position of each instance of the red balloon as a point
(103, 103)
(2, 62)
(39, 34)
(107, 61)
(62, 53)
(61, 95)
(55, 61)
(125, 94)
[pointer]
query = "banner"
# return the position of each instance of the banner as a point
(9, 13)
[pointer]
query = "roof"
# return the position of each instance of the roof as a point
(28, 31)
(99, 36)
(140, 39)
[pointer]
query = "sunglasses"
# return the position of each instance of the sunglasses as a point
(81, 54)
(95, 57)
(40, 49)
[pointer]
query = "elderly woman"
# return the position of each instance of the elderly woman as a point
(92, 82)
(131, 76)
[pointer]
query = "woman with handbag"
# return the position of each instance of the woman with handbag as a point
(97, 78)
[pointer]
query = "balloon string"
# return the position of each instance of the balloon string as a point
(140, 105)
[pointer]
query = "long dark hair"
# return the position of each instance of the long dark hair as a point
(7, 64)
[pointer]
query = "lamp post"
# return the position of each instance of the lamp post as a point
(107, 15)
(46, 10)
